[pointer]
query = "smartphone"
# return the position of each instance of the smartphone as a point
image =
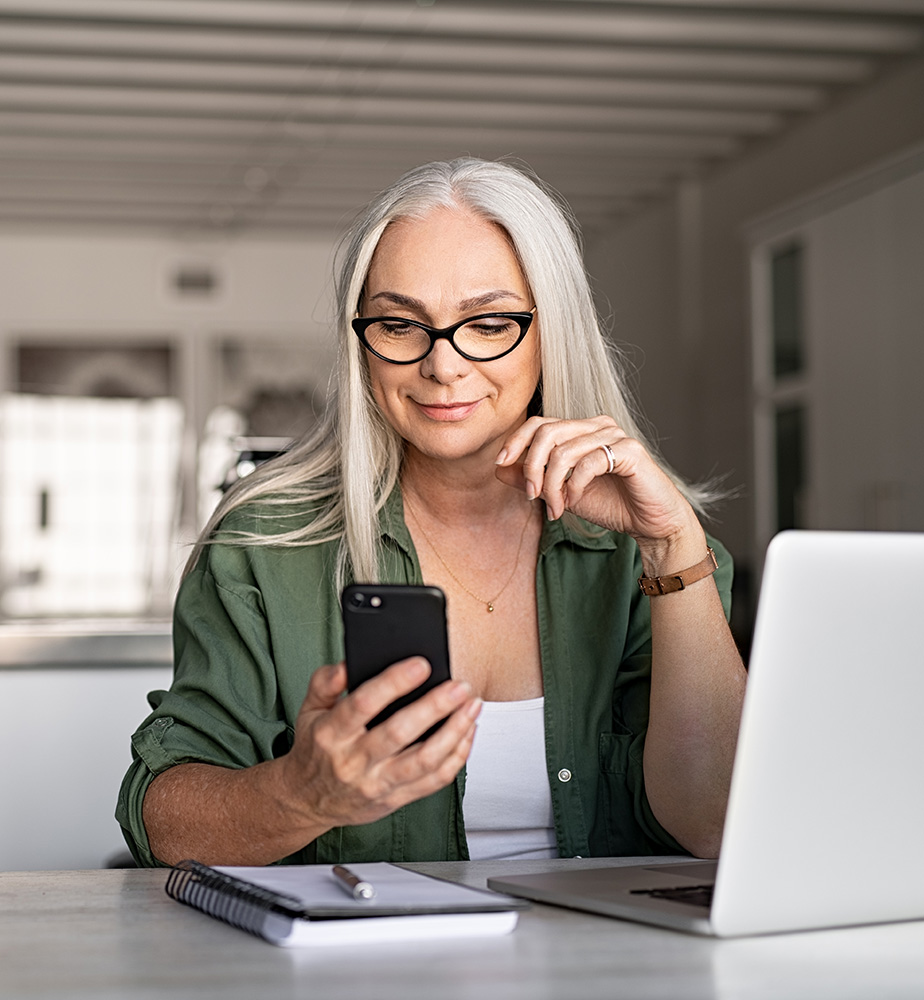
(384, 623)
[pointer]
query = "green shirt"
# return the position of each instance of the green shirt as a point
(252, 624)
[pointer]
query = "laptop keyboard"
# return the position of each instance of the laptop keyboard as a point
(693, 895)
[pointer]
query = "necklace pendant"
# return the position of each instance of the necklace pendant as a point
(490, 607)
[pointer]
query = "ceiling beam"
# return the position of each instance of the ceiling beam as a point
(311, 80)
(367, 137)
(303, 191)
(105, 211)
(754, 30)
(872, 7)
(42, 158)
(346, 54)
(419, 111)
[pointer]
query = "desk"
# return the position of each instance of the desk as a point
(115, 935)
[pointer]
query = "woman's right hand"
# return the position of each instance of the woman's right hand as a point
(339, 773)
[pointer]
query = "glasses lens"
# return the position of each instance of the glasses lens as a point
(397, 340)
(487, 336)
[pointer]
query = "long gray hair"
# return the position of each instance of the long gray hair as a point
(345, 469)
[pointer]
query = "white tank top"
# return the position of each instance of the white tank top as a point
(507, 805)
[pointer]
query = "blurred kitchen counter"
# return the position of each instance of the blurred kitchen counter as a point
(76, 642)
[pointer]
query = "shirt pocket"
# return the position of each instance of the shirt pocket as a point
(624, 838)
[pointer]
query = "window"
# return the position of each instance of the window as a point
(787, 321)
(782, 387)
(90, 450)
(114, 451)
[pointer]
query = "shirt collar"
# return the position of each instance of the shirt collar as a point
(578, 533)
(391, 521)
(567, 530)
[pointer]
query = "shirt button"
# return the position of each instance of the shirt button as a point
(564, 774)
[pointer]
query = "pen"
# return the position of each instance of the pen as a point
(358, 888)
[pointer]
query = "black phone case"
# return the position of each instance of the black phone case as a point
(407, 621)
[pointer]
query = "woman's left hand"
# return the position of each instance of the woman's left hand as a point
(564, 463)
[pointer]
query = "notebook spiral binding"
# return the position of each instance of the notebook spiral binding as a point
(245, 906)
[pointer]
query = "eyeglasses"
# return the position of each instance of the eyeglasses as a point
(485, 337)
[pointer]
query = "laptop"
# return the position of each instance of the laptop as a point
(825, 819)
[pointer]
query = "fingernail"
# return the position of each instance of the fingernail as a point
(461, 690)
(472, 710)
(418, 667)
(531, 491)
(501, 458)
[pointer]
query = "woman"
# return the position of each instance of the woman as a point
(481, 440)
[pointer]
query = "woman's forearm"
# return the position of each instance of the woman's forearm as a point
(218, 815)
(697, 689)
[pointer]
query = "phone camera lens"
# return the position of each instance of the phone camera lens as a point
(357, 600)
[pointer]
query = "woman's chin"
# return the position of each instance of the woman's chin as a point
(455, 447)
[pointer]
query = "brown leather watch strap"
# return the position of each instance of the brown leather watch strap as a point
(655, 586)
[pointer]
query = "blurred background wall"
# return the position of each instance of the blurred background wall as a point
(692, 273)
(174, 177)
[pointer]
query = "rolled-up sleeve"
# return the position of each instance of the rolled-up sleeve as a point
(223, 707)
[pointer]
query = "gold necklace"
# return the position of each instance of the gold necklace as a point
(488, 604)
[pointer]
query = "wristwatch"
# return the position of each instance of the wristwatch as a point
(655, 586)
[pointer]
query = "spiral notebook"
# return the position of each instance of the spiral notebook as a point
(305, 905)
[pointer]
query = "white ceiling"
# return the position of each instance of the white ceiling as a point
(287, 114)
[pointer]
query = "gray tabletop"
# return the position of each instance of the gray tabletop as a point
(116, 934)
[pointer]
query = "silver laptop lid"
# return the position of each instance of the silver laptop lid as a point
(826, 812)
